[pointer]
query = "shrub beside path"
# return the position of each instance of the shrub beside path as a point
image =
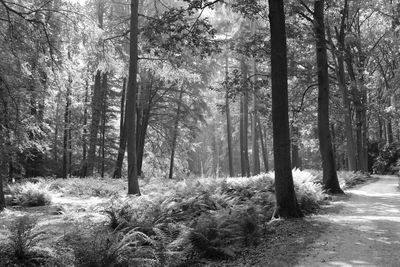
(363, 228)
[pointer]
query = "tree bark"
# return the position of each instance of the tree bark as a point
(94, 125)
(241, 137)
(340, 74)
(130, 115)
(263, 146)
(104, 88)
(228, 122)
(122, 135)
(245, 114)
(175, 135)
(286, 201)
(66, 163)
(330, 179)
(85, 132)
(143, 118)
(255, 137)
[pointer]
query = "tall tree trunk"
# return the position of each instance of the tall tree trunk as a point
(358, 106)
(255, 137)
(330, 179)
(85, 132)
(97, 101)
(130, 116)
(263, 146)
(244, 69)
(241, 138)
(65, 166)
(104, 89)
(340, 74)
(228, 122)
(94, 125)
(122, 135)
(286, 201)
(2, 199)
(175, 135)
(55, 140)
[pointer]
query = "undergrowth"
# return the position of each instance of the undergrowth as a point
(29, 194)
(22, 249)
(175, 223)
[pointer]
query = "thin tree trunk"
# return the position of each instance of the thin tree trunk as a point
(228, 122)
(340, 74)
(85, 132)
(104, 87)
(263, 146)
(244, 69)
(142, 131)
(122, 135)
(255, 137)
(330, 179)
(175, 135)
(94, 125)
(130, 117)
(241, 138)
(2, 199)
(65, 169)
(286, 201)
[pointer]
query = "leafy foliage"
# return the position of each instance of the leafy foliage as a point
(22, 249)
(386, 162)
(29, 194)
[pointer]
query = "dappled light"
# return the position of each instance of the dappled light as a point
(364, 231)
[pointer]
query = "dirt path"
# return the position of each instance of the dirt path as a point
(363, 228)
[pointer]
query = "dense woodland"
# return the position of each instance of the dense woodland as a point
(192, 88)
(180, 90)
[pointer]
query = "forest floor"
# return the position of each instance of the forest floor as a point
(361, 228)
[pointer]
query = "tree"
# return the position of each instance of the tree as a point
(330, 179)
(130, 113)
(286, 201)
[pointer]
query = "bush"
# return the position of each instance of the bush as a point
(349, 179)
(22, 248)
(29, 194)
(106, 187)
(97, 246)
(385, 163)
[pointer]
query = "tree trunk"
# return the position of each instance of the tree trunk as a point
(330, 179)
(175, 135)
(286, 201)
(241, 138)
(122, 135)
(255, 137)
(65, 166)
(130, 115)
(296, 162)
(263, 146)
(2, 199)
(228, 123)
(85, 132)
(245, 113)
(104, 87)
(94, 125)
(340, 74)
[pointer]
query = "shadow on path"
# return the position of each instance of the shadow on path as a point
(363, 230)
